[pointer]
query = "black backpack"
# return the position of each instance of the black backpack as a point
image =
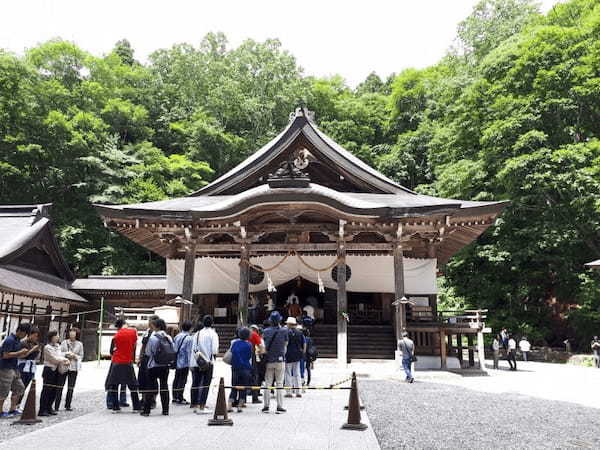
(311, 351)
(165, 353)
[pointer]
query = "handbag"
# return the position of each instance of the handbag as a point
(202, 361)
(228, 356)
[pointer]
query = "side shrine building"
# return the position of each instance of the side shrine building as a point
(304, 224)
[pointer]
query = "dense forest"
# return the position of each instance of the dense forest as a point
(512, 111)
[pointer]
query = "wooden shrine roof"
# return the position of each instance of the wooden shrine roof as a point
(120, 283)
(31, 262)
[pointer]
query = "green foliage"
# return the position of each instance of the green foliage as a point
(511, 112)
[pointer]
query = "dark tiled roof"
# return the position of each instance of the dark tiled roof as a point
(382, 205)
(36, 284)
(594, 264)
(120, 283)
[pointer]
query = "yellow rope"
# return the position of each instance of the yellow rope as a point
(330, 266)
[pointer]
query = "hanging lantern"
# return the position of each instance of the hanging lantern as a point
(320, 283)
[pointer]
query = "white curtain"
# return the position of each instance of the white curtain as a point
(369, 274)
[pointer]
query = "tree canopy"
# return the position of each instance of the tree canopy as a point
(510, 112)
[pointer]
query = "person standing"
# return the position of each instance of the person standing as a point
(294, 353)
(27, 365)
(183, 345)
(121, 372)
(10, 378)
(496, 350)
(241, 366)
(257, 349)
(143, 375)
(504, 339)
(204, 346)
(407, 347)
(525, 347)
(276, 340)
(596, 350)
(159, 350)
(511, 356)
(72, 348)
(307, 359)
(53, 358)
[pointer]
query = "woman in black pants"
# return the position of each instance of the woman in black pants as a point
(53, 358)
(158, 370)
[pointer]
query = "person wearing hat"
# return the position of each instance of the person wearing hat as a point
(293, 356)
(276, 341)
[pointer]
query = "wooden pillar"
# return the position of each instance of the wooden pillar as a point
(481, 350)
(342, 303)
(443, 355)
(244, 286)
(188, 280)
(471, 350)
(399, 290)
(459, 348)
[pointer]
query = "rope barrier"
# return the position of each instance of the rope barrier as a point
(6, 313)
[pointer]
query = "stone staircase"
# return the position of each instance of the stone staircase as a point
(364, 341)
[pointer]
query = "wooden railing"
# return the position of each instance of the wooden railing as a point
(471, 318)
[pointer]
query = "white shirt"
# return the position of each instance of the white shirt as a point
(512, 344)
(206, 341)
(524, 345)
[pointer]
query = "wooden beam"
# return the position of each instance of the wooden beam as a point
(188, 280)
(342, 304)
(471, 352)
(443, 354)
(481, 350)
(301, 247)
(399, 290)
(244, 286)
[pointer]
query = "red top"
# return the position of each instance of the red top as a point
(125, 341)
(255, 338)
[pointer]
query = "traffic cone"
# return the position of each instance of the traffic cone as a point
(29, 416)
(220, 417)
(354, 409)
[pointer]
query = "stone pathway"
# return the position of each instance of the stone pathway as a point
(312, 422)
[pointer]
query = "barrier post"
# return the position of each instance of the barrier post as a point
(354, 422)
(220, 417)
(29, 416)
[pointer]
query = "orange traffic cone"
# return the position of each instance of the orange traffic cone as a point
(29, 416)
(220, 417)
(354, 422)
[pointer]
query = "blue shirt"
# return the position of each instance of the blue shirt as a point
(10, 344)
(276, 340)
(295, 346)
(241, 354)
(183, 345)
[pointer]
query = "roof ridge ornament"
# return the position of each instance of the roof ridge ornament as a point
(290, 175)
(302, 111)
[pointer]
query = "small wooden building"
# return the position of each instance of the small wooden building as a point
(34, 277)
(302, 218)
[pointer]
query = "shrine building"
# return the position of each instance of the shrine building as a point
(304, 221)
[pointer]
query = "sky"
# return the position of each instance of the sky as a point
(327, 37)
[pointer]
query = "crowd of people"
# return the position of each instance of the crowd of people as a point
(19, 355)
(506, 343)
(269, 356)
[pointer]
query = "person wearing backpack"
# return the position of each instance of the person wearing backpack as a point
(310, 355)
(161, 354)
(183, 344)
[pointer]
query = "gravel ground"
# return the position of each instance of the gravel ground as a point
(428, 415)
(83, 403)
